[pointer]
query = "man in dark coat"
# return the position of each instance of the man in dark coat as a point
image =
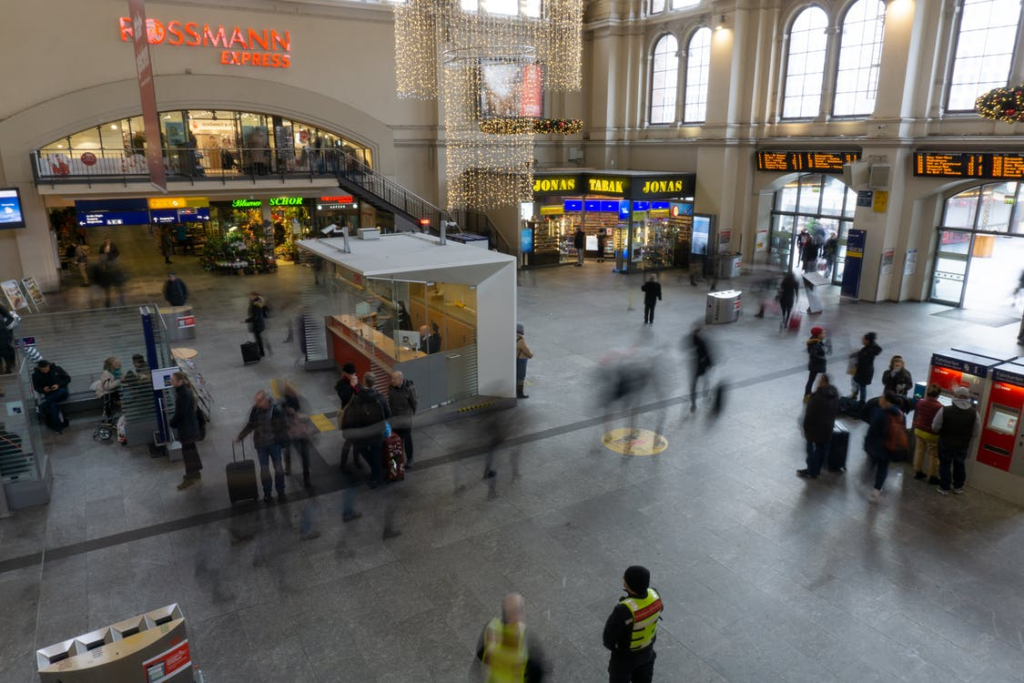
(363, 423)
(631, 629)
(818, 349)
(346, 388)
(186, 423)
(256, 317)
(175, 291)
(652, 295)
(956, 426)
(51, 382)
(579, 241)
(819, 421)
(864, 366)
(403, 401)
(701, 362)
(788, 290)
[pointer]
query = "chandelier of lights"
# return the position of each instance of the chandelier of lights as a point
(488, 67)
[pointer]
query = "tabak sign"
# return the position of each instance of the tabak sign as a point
(239, 45)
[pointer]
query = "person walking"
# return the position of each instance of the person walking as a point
(505, 647)
(256, 317)
(82, 260)
(402, 400)
(175, 290)
(886, 439)
(702, 362)
(956, 425)
(579, 241)
(51, 382)
(346, 388)
(818, 349)
(863, 365)
(298, 433)
(897, 378)
(269, 430)
(809, 256)
(788, 290)
(109, 251)
(363, 423)
(523, 356)
(829, 252)
(652, 295)
(632, 629)
(186, 423)
(8, 321)
(926, 441)
(166, 244)
(819, 421)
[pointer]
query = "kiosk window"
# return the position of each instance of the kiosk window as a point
(1003, 420)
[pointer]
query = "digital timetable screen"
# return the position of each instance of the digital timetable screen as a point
(819, 161)
(1008, 166)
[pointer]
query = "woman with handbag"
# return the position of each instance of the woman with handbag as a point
(298, 433)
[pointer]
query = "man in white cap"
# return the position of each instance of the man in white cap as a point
(956, 426)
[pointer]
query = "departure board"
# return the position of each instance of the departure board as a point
(1008, 166)
(817, 161)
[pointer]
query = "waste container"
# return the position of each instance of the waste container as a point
(730, 265)
(723, 307)
(179, 321)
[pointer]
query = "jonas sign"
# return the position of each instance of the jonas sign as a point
(238, 45)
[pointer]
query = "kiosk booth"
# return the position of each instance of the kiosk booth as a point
(444, 314)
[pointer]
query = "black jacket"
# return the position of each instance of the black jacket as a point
(403, 402)
(820, 416)
(579, 240)
(865, 363)
(175, 292)
(364, 417)
(185, 420)
(652, 291)
(256, 315)
(817, 352)
(345, 391)
(900, 381)
(702, 353)
(56, 375)
(788, 289)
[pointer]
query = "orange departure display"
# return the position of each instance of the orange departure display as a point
(969, 165)
(817, 161)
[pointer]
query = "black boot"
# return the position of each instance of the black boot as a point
(519, 391)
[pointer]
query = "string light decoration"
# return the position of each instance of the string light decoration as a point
(1002, 104)
(538, 126)
(492, 71)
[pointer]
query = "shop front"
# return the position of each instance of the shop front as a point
(637, 220)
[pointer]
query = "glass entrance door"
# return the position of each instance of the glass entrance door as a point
(951, 266)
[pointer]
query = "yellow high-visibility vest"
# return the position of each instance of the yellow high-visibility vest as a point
(505, 652)
(646, 612)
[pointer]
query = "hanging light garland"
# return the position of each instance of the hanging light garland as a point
(1002, 104)
(540, 126)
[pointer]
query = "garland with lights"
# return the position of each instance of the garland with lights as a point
(1002, 104)
(518, 126)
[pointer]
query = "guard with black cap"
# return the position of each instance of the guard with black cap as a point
(632, 628)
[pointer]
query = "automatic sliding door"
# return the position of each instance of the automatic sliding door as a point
(952, 259)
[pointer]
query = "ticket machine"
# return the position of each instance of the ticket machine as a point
(952, 369)
(999, 464)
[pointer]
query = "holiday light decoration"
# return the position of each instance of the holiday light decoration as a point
(492, 70)
(515, 126)
(1002, 104)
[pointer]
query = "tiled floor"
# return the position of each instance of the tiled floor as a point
(765, 577)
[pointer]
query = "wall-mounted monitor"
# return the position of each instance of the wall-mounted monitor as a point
(11, 213)
(511, 90)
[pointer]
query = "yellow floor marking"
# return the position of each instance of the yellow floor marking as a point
(322, 423)
(634, 441)
(274, 390)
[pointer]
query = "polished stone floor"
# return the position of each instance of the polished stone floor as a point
(765, 577)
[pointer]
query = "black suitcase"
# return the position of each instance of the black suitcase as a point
(250, 352)
(242, 477)
(838, 448)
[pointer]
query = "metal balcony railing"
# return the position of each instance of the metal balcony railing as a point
(354, 172)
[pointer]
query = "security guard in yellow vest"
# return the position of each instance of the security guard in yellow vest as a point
(504, 648)
(632, 628)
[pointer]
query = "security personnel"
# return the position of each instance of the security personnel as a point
(632, 628)
(504, 647)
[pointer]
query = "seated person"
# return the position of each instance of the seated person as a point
(51, 382)
(430, 343)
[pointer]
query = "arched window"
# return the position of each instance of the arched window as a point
(984, 50)
(698, 69)
(665, 80)
(805, 64)
(860, 57)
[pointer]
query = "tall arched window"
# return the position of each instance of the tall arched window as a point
(665, 80)
(698, 69)
(860, 57)
(805, 64)
(984, 50)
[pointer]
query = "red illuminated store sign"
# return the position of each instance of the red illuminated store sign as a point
(240, 46)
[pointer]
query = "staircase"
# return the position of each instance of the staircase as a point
(367, 185)
(479, 223)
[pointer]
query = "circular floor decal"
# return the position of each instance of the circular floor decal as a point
(634, 441)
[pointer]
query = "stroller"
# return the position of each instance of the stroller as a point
(107, 427)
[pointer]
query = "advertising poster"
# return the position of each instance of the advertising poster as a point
(887, 259)
(34, 293)
(147, 93)
(699, 241)
(855, 243)
(15, 299)
(761, 243)
(167, 664)
(511, 90)
(162, 377)
(526, 240)
(532, 105)
(910, 265)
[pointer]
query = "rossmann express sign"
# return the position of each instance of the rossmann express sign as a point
(238, 45)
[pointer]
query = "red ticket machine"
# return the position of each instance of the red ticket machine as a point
(1000, 459)
(952, 369)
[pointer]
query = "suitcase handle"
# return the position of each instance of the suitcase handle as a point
(233, 458)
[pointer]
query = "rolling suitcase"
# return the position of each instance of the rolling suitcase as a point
(250, 352)
(242, 477)
(838, 448)
(794, 321)
(394, 458)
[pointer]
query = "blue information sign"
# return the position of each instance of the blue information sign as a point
(101, 219)
(855, 243)
(526, 240)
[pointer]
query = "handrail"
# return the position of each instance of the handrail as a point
(391, 192)
(471, 220)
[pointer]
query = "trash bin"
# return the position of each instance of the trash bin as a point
(723, 307)
(179, 321)
(730, 265)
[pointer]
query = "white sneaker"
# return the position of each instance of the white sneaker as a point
(958, 491)
(875, 496)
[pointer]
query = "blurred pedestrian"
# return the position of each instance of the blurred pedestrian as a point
(509, 653)
(809, 256)
(497, 428)
(346, 388)
(863, 366)
(186, 423)
(789, 288)
(363, 423)
(819, 421)
(579, 241)
(269, 430)
(818, 349)
(956, 426)
(175, 290)
(166, 243)
(298, 432)
(256, 317)
(109, 251)
(403, 401)
(82, 260)
(523, 355)
(886, 439)
(829, 252)
(652, 295)
(632, 629)
(8, 321)
(702, 363)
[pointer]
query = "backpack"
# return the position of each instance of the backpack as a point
(896, 438)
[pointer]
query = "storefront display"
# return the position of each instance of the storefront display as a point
(630, 218)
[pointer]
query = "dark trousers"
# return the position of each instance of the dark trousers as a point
(346, 450)
(952, 458)
(816, 454)
(809, 387)
(370, 451)
(406, 436)
(302, 447)
(634, 670)
(881, 463)
(193, 463)
(649, 311)
(698, 372)
(50, 405)
(786, 310)
(259, 341)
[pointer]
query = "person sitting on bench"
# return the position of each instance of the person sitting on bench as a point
(51, 382)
